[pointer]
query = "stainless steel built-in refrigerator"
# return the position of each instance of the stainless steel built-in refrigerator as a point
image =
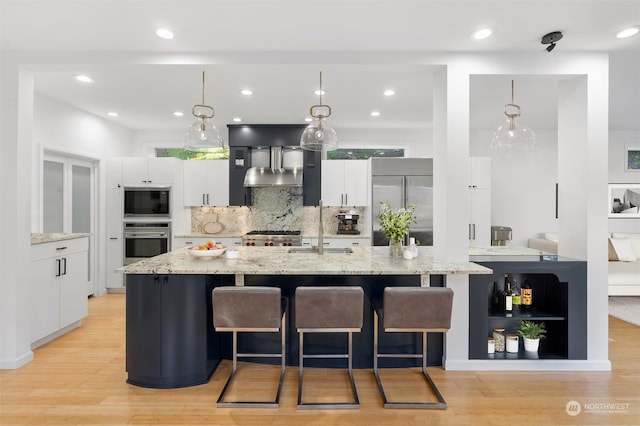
(403, 181)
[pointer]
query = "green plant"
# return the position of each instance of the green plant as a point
(395, 224)
(531, 330)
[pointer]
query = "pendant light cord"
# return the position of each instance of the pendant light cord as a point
(203, 88)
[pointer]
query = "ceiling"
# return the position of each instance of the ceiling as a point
(145, 96)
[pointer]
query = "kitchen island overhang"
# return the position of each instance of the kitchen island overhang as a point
(170, 337)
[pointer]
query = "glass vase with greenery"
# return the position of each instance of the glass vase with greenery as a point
(395, 225)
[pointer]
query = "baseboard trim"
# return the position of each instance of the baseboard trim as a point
(15, 363)
(55, 335)
(527, 365)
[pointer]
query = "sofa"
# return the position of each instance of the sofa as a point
(624, 260)
(624, 264)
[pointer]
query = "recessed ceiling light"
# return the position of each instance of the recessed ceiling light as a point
(83, 78)
(308, 119)
(246, 92)
(389, 92)
(375, 113)
(320, 92)
(482, 33)
(178, 113)
(164, 33)
(237, 119)
(112, 114)
(628, 32)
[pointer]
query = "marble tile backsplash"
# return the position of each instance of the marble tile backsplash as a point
(273, 209)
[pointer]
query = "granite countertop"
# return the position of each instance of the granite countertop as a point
(238, 235)
(277, 260)
(52, 237)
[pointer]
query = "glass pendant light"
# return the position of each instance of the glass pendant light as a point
(317, 136)
(203, 135)
(510, 136)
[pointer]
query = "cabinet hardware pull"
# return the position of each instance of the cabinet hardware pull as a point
(207, 199)
(113, 238)
(346, 199)
(64, 270)
(203, 199)
(61, 248)
(58, 266)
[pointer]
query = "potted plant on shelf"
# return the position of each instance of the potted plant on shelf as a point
(531, 332)
(395, 225)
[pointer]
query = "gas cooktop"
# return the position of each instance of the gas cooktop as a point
(272, 238)
(265, 232)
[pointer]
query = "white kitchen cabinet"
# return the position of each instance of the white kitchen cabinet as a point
(480, 217)
(345, 182)
(149, 170)
(480, 172)
(480, 201)
(58, 290)
(114, 172)
(115, 244)
(343, 242)
(206, 183)
(179, 242)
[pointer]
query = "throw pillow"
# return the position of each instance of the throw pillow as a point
(623, 249)
(612, 251)
(551, 236)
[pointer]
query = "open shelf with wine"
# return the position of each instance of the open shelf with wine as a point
(559, 300)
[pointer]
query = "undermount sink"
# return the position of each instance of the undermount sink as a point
(311, 250)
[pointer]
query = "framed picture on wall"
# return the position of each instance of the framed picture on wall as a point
(624, 200)
(632, 157)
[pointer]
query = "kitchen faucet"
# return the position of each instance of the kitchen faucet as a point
(320, 230)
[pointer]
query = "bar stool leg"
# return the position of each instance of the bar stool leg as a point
(321, 405)
(441, 404)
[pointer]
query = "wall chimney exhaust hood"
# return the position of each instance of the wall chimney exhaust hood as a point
(275, 175)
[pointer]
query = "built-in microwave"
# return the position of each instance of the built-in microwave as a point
(147, 202)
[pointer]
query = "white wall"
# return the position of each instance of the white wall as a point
(522, 184)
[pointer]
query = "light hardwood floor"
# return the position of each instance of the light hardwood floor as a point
(80, 379)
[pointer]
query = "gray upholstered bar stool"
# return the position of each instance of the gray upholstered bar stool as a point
(329, 310)
(250, 309)
(410, 310)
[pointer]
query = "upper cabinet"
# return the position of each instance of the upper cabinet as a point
(206, 183)
(345, 182)
(480, 172)
(479, 201)
(149, 170)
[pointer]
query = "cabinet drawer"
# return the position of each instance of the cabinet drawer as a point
(59, 248)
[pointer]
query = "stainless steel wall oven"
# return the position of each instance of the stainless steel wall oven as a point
(145, 239)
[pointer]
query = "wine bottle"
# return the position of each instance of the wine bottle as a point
(527, 295)
(507, 296)
(495, 299)
(515, 298)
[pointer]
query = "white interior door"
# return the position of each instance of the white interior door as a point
(68, 201)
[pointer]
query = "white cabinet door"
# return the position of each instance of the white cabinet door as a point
(195, 183)
(344, 182)
(356, 182)
(134, 171)
(332, 182)
(114, 173)
(73, 282)
(480, 172)
(114, 254)
(480, 221)
(217, 188)
(45, 309)
(149, 170)
(206, 182)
